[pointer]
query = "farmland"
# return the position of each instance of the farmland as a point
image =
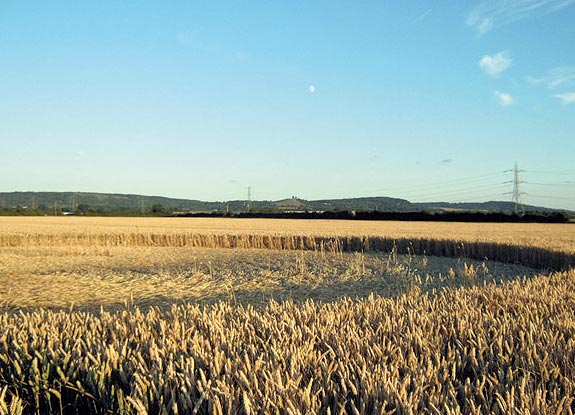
(553, 236)
(280, 316)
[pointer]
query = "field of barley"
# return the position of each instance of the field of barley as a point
(242, 316)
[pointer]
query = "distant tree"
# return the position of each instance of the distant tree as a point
(158, 209)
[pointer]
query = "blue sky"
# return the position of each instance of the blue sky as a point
(319, 99)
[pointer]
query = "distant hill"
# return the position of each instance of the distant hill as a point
(485, 207)
(73, 201)
(387, 204)
(69, 201)
(125, 204)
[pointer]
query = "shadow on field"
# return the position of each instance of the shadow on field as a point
(388, 286)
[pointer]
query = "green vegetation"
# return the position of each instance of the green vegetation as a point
(100, 204)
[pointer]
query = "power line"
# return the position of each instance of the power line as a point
(490, 186)
(552, 197)
(460, 181)
(552, 184)
(551, 171)
(461, 192)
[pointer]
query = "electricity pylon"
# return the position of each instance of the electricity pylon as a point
(516, 198)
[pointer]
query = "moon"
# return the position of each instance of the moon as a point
(312, 88)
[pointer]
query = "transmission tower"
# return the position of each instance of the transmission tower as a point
(249, 203)
(516, 198)
(74, 202)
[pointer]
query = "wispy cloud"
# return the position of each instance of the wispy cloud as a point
(423, 16)
(504, 98)
(494, 65)
(563, 75)
(566, 98)
(490, 14)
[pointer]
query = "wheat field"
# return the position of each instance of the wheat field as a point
(87, 278)
(557, 237)
(238, 316)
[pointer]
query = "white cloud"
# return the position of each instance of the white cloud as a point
(490, 14)
(485, 25)
(504, 99)
(566, 98)
(494, 65)
(562, 75)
